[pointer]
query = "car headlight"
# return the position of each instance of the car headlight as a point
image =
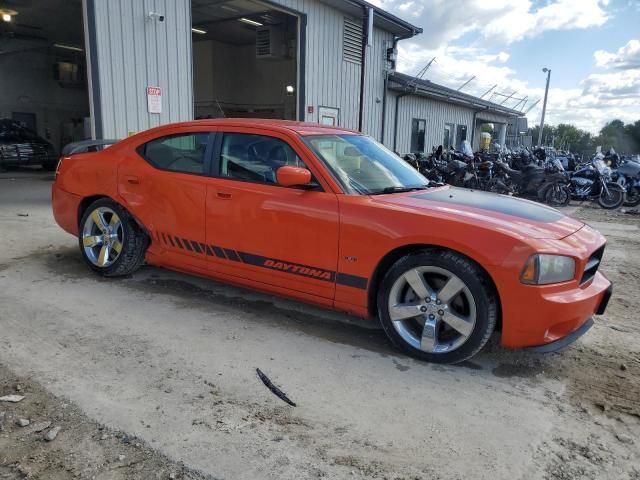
(542, 269)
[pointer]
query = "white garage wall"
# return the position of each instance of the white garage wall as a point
(436, 114)
(130, 52)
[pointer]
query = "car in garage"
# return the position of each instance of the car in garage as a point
(331, 217)
(20, 146)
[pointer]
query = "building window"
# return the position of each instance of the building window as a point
(449, 131)
(179, 153)
(461, 136)
(352, 38)
(418, 128)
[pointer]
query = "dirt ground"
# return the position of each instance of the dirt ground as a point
(153, 376)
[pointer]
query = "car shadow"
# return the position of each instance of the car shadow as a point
(205, 295)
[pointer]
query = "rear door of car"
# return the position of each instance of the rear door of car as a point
(285, 237)
(165, 184)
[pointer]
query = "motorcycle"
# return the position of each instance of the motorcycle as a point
(545, 184)
(627, 175)
(593, 182)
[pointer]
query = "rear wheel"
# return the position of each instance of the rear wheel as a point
(437, 306)
(633, 197)
(612, 197)
(110, 240)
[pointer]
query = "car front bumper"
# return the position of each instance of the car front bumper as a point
(541, 316)
(567, 340)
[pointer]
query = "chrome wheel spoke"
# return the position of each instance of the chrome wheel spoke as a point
(429, 339)
(461, 325)
(418, 284)
(92, 241)
(98, 220)
(452, 288)
(117, 246)
(104, 255)
(403, 311)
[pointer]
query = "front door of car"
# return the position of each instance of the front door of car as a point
(164, 185)
(285, 237)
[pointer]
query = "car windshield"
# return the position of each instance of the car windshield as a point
(365, 167)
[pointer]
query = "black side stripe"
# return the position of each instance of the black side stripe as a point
(186, 245)
(231, 254)
(308, 271)
(352, 281)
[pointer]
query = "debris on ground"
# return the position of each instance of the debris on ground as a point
(12, 398)
(52, 434)
(277, 392)
(23, 422)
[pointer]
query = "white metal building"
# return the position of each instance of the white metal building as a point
(128, 65)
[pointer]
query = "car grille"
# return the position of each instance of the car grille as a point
(592, 265)
(25, 153)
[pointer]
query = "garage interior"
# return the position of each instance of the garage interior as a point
(245, 60)
(43, 68)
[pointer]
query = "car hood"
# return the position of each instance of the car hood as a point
(522, 218)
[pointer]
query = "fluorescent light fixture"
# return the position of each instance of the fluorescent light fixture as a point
(229, 9)
(68, 47)
(250, 22)
(6, 17)
(199, 31)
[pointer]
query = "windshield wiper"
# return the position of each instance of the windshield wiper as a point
(398, 189)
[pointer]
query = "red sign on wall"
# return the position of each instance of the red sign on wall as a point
(154, 99)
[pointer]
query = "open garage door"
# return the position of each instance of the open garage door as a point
(245, 60)
(44, 94)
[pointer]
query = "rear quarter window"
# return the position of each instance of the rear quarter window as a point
(185, 152)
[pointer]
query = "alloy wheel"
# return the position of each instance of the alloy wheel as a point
(102, 237)
(432, 309)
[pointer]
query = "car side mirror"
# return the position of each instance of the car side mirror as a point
(289, 176)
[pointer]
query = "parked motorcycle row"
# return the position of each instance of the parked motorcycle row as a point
(540, 174)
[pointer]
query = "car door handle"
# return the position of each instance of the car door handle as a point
(132, 180)
(223, 195)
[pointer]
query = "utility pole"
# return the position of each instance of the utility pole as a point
(544, 105)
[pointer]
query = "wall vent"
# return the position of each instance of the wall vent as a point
(352, 41)
(270, 43)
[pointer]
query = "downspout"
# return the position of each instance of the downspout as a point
(368, 11)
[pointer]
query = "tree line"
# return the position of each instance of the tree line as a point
(624, 138)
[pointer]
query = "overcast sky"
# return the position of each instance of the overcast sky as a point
(591, 46)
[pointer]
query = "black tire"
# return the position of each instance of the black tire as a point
(134, 241)
(632, 199)
(614, 199)
(475, 280)
(557, 195)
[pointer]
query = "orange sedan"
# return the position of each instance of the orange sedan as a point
(331, 217)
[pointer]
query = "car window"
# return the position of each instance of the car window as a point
(255, 158)
(179, 153)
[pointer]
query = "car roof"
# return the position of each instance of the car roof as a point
(301, 128)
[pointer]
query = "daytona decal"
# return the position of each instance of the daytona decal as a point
(264, 262)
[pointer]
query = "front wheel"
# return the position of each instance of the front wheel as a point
(111, 242)
(557, 195)
(611, 197)
(437, 305)
(633, 197)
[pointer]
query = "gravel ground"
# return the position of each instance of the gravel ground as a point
(153, 376)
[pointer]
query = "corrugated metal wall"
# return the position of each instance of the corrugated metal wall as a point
(128, 52)
(435, 113)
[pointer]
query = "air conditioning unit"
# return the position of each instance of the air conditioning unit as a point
(270, 43)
